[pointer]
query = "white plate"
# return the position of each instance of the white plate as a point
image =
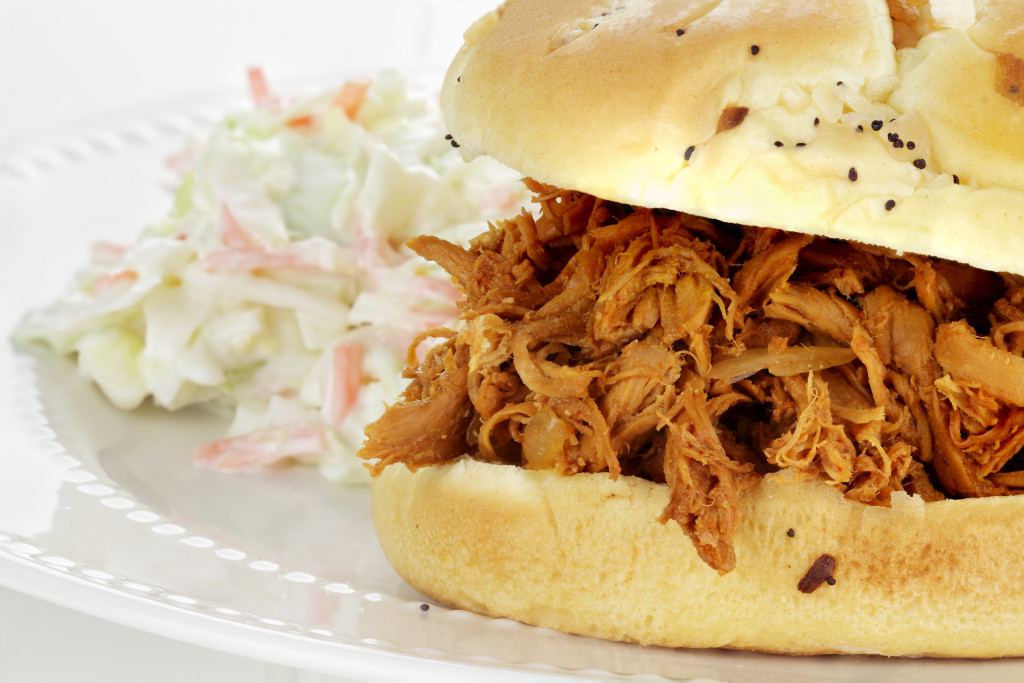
(102, 512)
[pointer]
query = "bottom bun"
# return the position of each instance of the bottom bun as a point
(585, 554)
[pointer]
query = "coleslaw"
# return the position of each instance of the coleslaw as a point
(277, 286)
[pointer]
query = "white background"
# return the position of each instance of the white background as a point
(79, 62)
(66, 67)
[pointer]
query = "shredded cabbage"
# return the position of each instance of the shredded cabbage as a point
(277, 286)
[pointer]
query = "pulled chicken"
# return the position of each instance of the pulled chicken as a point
(601, 337)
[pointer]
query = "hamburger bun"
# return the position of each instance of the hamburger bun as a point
(585, 554)
(605, 98)
(896, 126)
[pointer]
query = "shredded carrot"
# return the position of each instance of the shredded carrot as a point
(346, 380)
(351, 97)
(300, 121)
(121, 276)
(232, 233)
(261, 448)
(106, 252)
(258, 85)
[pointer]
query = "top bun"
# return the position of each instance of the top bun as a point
(901, 128)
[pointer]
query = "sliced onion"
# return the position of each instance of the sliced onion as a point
(1012, 480)
(544, 440)
(977, 362)
(795, 360)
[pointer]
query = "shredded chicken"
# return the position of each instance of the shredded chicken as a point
(599, 337)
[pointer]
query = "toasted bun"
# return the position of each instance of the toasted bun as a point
(585, 554)
(608, 97)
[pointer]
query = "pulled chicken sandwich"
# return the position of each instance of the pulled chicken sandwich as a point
(770, 292)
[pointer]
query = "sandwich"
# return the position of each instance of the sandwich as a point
(751, 374)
